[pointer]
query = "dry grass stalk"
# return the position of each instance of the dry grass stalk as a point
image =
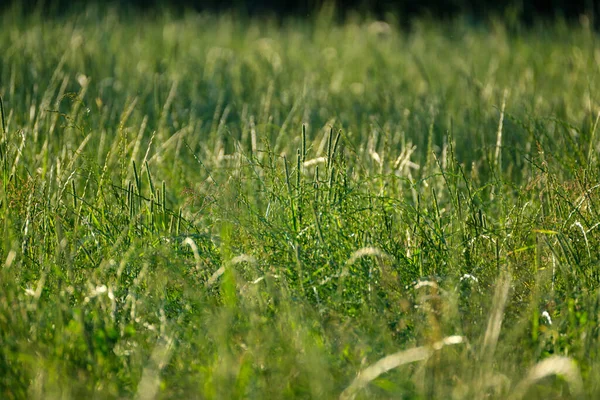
(395, 360)
(564, 367)
(495, 322)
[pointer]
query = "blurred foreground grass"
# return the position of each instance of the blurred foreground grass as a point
(212, 207)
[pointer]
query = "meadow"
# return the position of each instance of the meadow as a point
(207, 206)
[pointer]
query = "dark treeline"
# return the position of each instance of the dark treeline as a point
(526, 10)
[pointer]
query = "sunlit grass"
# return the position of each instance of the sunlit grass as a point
(215, 207)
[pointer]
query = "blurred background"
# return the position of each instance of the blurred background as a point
(523, 10)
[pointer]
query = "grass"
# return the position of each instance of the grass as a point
(210, 206)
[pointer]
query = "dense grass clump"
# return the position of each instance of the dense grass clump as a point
(214, 207)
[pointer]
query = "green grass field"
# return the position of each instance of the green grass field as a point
(218, 207)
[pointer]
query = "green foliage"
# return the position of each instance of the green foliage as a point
(212, 207)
